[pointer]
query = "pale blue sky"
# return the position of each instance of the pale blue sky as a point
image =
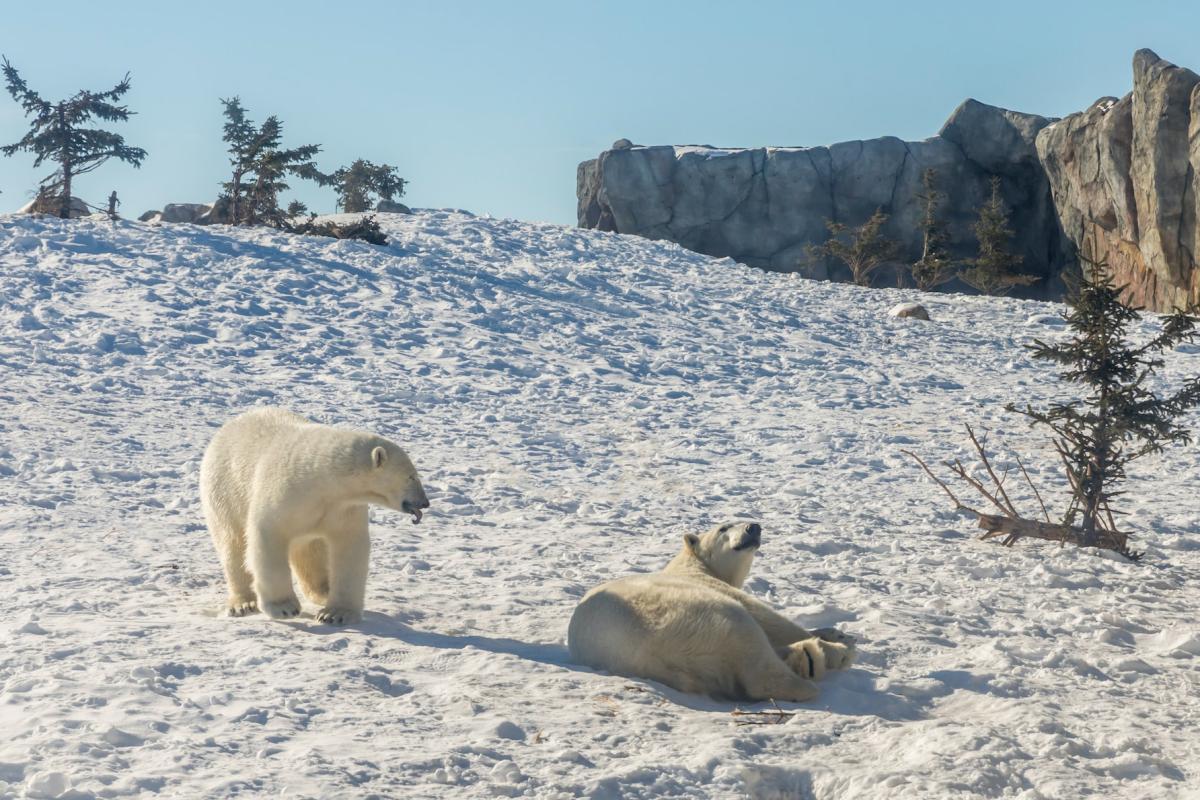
(489, 106)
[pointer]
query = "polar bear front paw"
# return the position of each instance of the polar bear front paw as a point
(282, 609)
(338, 616)
(240, 608)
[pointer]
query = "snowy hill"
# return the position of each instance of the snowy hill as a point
(575, 401)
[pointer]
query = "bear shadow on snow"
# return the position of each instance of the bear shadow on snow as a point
(848, 693)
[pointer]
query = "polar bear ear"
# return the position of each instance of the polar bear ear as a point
(692, 542)
(378, 456)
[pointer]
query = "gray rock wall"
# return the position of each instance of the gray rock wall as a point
(765, 206)
(1119, 182)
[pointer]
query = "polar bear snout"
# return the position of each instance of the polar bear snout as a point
(751, 537)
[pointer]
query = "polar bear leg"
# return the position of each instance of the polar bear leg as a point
(349, 555)
(310, 562)
(267, 557)
(766, 677)
(231, 547)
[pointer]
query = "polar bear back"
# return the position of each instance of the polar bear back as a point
(669, 628)
(275, 458)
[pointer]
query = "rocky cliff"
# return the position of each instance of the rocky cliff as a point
(1124, 181)
(1120, 177)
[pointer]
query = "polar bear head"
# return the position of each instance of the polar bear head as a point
(726, 551)
(393, 481)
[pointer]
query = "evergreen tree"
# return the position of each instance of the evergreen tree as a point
(865, 251)
(260, 167)
(356, 184)
(59, 133)
(994, 270)
(1119, 418)
(934, 267)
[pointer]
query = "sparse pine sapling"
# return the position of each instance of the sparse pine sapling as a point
(260, 167)
(994, 269)
(359, 184)
(863, 249)
(1119, 418)
(59, 133)
(934, 267)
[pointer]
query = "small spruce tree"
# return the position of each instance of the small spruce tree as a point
(260, 167)
(934, 267)
(1119, 418)
(994, 270)
(58, 133)
(357, 184)
(863, 251)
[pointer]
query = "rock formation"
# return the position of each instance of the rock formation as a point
(79, 208)
(765, 206)
(1118, 181)
(1124, 181)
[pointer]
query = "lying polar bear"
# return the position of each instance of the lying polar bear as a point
(694, 629)
(276, 488)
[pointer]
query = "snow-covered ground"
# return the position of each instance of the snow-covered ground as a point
(576, 401)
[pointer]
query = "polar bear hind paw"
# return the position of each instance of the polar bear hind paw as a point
(240, 608)
(806, 658)
(282, 609)
(338, 616)
(812, 658)
(837, 655)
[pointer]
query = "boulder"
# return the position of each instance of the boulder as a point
(184, 212)
(79, 208)
(392, 207)
(149, 216)
(217, 214)
(909, 311)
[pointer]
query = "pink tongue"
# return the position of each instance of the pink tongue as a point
(416, 516)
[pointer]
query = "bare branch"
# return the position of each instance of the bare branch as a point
(1036, 493)
(988, 465)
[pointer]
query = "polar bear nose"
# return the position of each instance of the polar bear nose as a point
(754, 531)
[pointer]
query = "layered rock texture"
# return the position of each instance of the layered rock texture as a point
(1117, 182)
(1124, 181)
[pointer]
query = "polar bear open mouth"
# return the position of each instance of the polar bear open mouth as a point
(409, 508)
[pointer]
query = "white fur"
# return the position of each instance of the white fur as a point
(693, 628)
(277, 488)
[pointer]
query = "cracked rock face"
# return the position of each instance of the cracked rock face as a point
(1118, 182)
(765, 206)
(1124, 181)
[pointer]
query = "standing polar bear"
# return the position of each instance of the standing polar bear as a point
(276, 488)
(694, 629)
